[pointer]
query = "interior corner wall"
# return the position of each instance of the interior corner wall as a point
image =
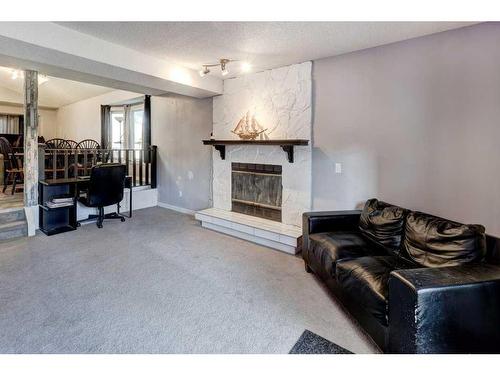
(178, 125)
(82, 120)
(415, 123)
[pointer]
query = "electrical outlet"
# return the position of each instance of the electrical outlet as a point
(338, 168)
(180, 193)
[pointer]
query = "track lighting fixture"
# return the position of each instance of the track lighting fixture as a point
(223, 63)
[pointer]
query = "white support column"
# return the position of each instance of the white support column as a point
(31, 148)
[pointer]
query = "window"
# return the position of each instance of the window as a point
(137, 116)
(127, 127)
(11, 124)
(117, 128)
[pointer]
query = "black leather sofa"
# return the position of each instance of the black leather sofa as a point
(415, 282)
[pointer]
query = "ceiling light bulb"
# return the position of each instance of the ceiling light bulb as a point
(42, 79)
(246, 67)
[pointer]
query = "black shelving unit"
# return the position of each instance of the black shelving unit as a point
(56, 219)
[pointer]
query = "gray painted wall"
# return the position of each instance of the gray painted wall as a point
(184, 164)
(416, 123)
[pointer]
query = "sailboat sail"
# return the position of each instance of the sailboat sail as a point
(248, 127)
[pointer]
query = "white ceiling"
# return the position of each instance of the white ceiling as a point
(264, 44)
(56, 92)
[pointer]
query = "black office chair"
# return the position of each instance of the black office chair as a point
(106, 185)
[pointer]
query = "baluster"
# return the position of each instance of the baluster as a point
(153, 166)
(77, 161)
(85, 162)
(120, 156)
(146, 165)
(65, 163)
(54, 164)
(133, 168)
(74, 152)
(140, 168)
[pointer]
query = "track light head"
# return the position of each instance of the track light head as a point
(223, 67)
(204, 71)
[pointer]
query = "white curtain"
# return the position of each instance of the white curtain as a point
(9, 124)
(128, 140)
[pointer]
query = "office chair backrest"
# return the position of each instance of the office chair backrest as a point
(106, 185)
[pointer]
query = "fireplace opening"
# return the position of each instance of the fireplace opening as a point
(256, 190)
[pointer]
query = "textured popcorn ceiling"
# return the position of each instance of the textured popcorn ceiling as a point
(55, 92)
(264, 44)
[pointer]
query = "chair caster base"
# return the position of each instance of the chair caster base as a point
(100, 218)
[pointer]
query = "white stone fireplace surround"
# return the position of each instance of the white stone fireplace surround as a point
(280, 99)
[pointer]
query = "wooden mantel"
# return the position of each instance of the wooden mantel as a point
(285, 144)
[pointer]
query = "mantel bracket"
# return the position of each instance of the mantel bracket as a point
(222, 151)
(289, 151)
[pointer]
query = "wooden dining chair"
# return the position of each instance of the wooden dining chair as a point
(73, 144)
(73, 165)
(57, 143)
(88, 144)
(89, 156)
(12, 165)
(58, 168)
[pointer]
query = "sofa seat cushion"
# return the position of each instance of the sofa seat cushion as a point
(365, 281)
(330, 247)
(436, 242)
(383, 223)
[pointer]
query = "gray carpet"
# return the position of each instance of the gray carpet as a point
(159, 283)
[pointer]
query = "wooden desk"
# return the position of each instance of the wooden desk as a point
(64, 219)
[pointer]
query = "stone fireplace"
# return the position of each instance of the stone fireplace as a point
(256, 190)
(281, 100)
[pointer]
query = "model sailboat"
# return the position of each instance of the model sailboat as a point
(248, 127)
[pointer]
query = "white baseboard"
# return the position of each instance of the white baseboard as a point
(176, 208)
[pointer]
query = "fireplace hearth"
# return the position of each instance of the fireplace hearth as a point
(256, 190)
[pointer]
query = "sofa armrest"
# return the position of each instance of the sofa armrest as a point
(328, 221)
(445, 310)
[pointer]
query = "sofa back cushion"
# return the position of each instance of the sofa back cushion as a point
(383, 223)
(436, 242)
